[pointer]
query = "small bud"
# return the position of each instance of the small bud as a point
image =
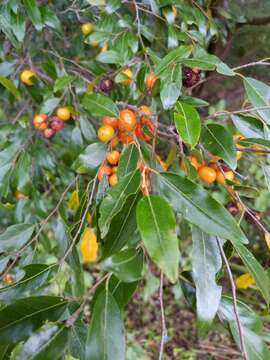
(106, 85)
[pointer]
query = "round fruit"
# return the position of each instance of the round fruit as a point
(113, 157)
(94, 44)
(48, 133)
(111, 121)
(40, 121)
(139, 130)
(129, 74)
(113, 180)
(26, 76)
(127, 120)
(63, 113)
(104, 170)
(8, 279)
(150, 80)
(106, 85)
(190, 76)
(194, 162)
(105, 133)
(221, 178)
(125, 137)
(19, 195)
(86, 28)
(145, 109)
(56, 124)
(207, 174)
(174, 10)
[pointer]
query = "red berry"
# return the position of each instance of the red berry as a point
(56, 124)
(106, 85)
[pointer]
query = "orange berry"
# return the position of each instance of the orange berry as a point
(63, 113)
(112, 121)
(129, 75)
(127, 120)
(113, 180)
(207, 174)
(86, 28)
(174, 10)
(125, 137)
(105, 133)
(104, 170)
(150, 80)
(114, 142)
(26, 77)
(39, 121)
(221, 178)
(19, 195)
(8, 279)
(113, 157)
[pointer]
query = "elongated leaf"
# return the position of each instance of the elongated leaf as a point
(15, 237)
(115, 199)
(206, 262)
(90, 158)
(34, 13)
(172, 57)
(251, 326)
(198, 207)
(47, 343)
(128, 160)
(169, 95)
(8, 84)
(126, 265)
(122, 227)
(259, 95)
(157, 226)
(100, 105)
(62, 82)
(187, 122)
(35, 276)
(106, 333)
(248, 126)
(20, 319)
(219, 142)
(87, 128)
(110, 57)
(78, 339)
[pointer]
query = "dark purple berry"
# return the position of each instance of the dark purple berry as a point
(190, 77)
(106, 85)
(232, 208)
(56, 124)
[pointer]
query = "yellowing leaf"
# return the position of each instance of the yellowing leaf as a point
(73, 201)
(244, 281)
(267, 239)
(89, 246)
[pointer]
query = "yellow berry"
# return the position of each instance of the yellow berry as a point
(89, 246)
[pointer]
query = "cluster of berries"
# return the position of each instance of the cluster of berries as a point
(50, 125)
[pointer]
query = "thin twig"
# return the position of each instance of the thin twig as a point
(235, 309)
(254, 63)
(163, 320)
(222, 113)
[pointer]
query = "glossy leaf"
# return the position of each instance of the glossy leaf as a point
(20, 319)
(219, 142)
(169, 95)
(47, 343)
(15, 237)
(106, 332)
(187, 122)
(90, 158)
(171, 58)
(8, 84)
(249, 126)
(198, 207)
(100, 105)
(33, 11)
(206, 262)
(157, 226)
(110, 57)
(62, 82)
(128, 160)
(115, 199)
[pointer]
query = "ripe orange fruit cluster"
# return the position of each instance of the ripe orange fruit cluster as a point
(48, 126)
(110, 167)
(209, 172)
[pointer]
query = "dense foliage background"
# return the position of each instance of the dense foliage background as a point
(160, 258)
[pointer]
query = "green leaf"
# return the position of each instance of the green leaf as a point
(20, 319)
(100, 105)
(35, 276)
(218, 141)
(63, 82)
(90, 158)
(49, 342)
(187, 122)
(171, 58)
(196, 102)
(106, 333)
(127, 265)
(49, 105)
(87, 128)
(110, 57)
(246, 191)
(198, 207)
(251, 325)
(258, 94)
(78, 339)
(10, 86)
(169, 95)
(122, 227)
(116, 198)
(112, 5)
(249, 126)
(258, 141)
(206, 262)
(6, 26)
(157, 226)
(128, 160)
(50, 18)
(15, 237)
(34, 13)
